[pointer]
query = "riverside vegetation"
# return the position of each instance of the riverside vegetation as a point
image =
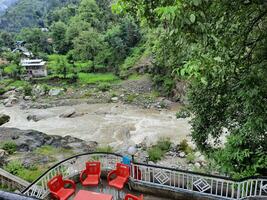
(215, 49)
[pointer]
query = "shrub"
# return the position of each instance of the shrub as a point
(9, 146)
(185, 147)
(183, 113)
(16, 168)
(131, 98)
(164, 144)
(28, 90)
(103, 87)
(190, 157)
(2, 91)
(155, 153)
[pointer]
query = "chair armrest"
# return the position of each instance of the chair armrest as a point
(71, 183)
(110, 174)
(130, 196)
(81, 175)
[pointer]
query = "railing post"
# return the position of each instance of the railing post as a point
(238, 191)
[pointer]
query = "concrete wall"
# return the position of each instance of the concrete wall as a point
(12, 182)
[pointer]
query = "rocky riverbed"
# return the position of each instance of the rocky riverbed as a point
(71, 120)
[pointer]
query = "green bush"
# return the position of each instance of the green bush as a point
(2, 91)
(183, 113)
(28, 90)
(9, 146)
(155, 153)
(190, 157)
(131, 97)
(185, 147)
(103, 87)
(164, 144)
(16, 168)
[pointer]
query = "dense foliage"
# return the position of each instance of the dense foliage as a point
(220, 47)
(28, 13)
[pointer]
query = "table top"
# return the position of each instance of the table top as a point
(85, 195)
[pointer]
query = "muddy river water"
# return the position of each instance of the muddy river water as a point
(116, 125)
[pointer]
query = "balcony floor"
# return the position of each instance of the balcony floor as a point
(104, 188)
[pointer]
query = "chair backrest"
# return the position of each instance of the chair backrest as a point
(93, 167)
(123, 170)
(55, 183)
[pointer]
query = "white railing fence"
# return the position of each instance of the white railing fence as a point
(216, 186)
(156, 177)
(70, 168)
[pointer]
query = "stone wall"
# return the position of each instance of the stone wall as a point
(12, 182)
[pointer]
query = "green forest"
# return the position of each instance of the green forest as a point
(217, 48)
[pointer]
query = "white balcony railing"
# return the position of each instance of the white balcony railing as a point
(156, 177)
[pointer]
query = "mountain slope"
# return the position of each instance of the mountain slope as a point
(28, 13)
(5, 4)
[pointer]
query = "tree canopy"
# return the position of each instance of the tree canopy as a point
(219, 47)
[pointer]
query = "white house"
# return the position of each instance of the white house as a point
(34, 67)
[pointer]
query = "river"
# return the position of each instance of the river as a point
(116, 125)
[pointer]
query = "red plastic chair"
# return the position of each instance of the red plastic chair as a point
(132, 197)
(92, 173)
(122, 173)
(57, 187)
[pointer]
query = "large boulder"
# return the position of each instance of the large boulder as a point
(4, 119)
(7, 94)
(9, 102)
(40, 115)
(29, 140)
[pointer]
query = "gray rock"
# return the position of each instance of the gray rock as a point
(55, 92)
(68, 113)
(10, 93)
(197, 165)
(10, 101)
(201, 159)
(182, 154)
(41, 115)
(151, 163)
(27, 98)
(29, 140)
(115, 99)
(38, 91)
(4, 119)
(3, 155)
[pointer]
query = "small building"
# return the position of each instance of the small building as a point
(34, 67)
(20, 48)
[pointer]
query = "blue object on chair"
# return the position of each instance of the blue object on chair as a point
(126, 160)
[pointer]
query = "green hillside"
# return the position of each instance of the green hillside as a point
(28, 13)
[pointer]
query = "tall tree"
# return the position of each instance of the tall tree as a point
(58, 32)
(220, 46)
